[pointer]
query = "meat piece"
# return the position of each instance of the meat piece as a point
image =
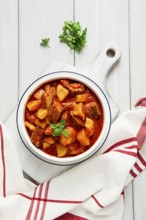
(55, 112)
(92, 110)
(73, 87)
(30, 117)
(47, 98)
(37, 136)
(77, 122)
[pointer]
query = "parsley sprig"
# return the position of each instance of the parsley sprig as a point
(58, 129)
(45, 42)
(73, 36)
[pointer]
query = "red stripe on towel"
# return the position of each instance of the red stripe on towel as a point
(141, 135)
(97, 202)
(49, 200)
(138, 167)
(132, 173)
(46, 195)
(127, 152)
(31, 205)
(126, 141)
(141, 159)
(38, 203)
(3, 161)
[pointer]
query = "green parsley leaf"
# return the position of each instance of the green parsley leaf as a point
(45, 42)
(58, 129)
(73, 36)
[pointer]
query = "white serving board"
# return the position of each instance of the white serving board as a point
(98, 72)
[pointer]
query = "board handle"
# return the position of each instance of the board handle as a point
(104, 61)
(99, 69)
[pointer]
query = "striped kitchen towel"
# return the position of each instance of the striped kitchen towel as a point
(91, 190)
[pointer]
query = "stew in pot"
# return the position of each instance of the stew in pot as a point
(63, 118)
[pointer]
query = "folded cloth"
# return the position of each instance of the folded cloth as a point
(91, 190)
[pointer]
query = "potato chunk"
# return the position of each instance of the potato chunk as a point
(29, 125)
(61, 92)
(41, 124)
(82, 138)
(79, 111)
(42, 113)
(33, 105)
(38, 94)
(61, 150)
(47, 142)
(68, 140)
(89, 127)
(82, 97)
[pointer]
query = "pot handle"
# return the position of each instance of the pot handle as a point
(100, 67)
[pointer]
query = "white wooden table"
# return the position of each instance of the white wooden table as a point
(23, 23)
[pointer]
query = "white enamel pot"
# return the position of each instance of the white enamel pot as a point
(88, 81)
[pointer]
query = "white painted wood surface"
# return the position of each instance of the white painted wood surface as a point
(23, 23)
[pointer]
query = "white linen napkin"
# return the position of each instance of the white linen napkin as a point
(91, 190)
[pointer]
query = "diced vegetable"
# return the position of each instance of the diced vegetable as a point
(79, 111)
(61, 150)
(82, 97)
(29, 125)
(34, 105)
(61, 92)
(82, 138)
(42, 113)
(48, 130)
(46, 145)
(38, 94)
(47, 142)
(89, 127)
(41, 124)
(70, 139)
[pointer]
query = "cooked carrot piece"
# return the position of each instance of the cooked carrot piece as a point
(34, 105)
(48, 130)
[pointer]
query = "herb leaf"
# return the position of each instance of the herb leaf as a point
(73, 36)
(58, 129)
(45, 42)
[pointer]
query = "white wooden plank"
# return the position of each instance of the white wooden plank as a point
(108, 21)
(138, 87)
(8, 56)
(37, 20)
(138, 49)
